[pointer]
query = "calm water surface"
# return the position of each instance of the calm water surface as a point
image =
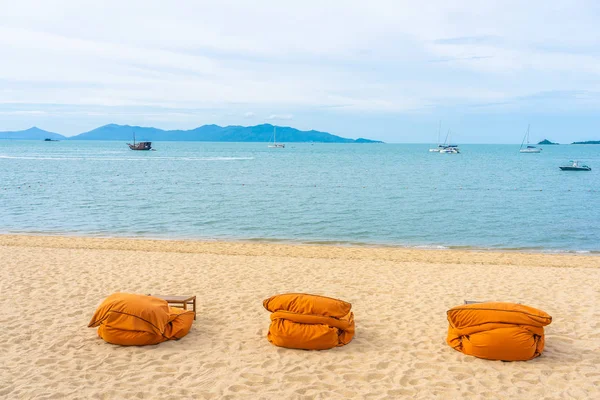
(489, 196)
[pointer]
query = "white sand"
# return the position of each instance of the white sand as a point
(50, 287)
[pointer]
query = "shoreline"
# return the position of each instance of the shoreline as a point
(310, 242)
(328, 251)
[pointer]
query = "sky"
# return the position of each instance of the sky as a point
(385, 70)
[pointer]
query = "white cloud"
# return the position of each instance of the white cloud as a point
(280, 117)
(24, 112)
(347, 55)
(249, 114)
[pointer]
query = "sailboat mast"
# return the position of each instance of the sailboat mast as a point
(439, 130)
(525, 137)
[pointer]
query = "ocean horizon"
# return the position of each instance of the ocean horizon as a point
(488, 197)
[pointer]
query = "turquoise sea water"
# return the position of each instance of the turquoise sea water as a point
(489, 196)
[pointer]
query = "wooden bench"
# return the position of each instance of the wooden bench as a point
(179, 301)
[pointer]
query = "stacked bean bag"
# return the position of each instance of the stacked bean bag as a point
(310, 322)
(137, 320)
(497, 331)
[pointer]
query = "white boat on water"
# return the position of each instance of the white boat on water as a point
(275, 144)
(439, 146)
(575, 166)
(528, 148)
(448, 148)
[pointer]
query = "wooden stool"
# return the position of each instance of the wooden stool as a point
(179, 301)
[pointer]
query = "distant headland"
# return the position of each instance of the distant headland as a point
(205, 133)
(546, 141)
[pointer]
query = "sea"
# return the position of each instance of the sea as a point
(487, 197)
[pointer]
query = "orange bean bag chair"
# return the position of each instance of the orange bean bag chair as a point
(497, 331)
(137, 320)
(306, 321)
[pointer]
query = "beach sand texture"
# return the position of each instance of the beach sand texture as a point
(50, 287)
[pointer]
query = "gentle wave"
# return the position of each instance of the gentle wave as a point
(491, 198)
(126, 158)
(228, 239)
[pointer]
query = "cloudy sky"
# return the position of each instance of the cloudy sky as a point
(387, 70)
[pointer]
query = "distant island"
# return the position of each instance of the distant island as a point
(34, 133)
(588, 142)
(546, 141)
(205, 133)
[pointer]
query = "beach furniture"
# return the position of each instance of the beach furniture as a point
(310, 322)
(179, 301)
(136, 320)
(497, 331)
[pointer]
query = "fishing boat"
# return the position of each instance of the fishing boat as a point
(528, 148)
(140, 145)
(575, 166)
(275, 144)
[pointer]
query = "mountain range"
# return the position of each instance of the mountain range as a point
(34, 133)
(205, 133)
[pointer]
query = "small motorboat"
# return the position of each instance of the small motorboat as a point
(575, 166)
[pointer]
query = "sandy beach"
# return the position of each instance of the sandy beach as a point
(51, 286)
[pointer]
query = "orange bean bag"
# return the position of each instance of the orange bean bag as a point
(137, 320)
(497, 331)
(306, 321)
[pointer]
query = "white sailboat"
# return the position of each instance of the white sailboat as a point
(528, 149)
(275, 144)
(448, 148)
(439, 146)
